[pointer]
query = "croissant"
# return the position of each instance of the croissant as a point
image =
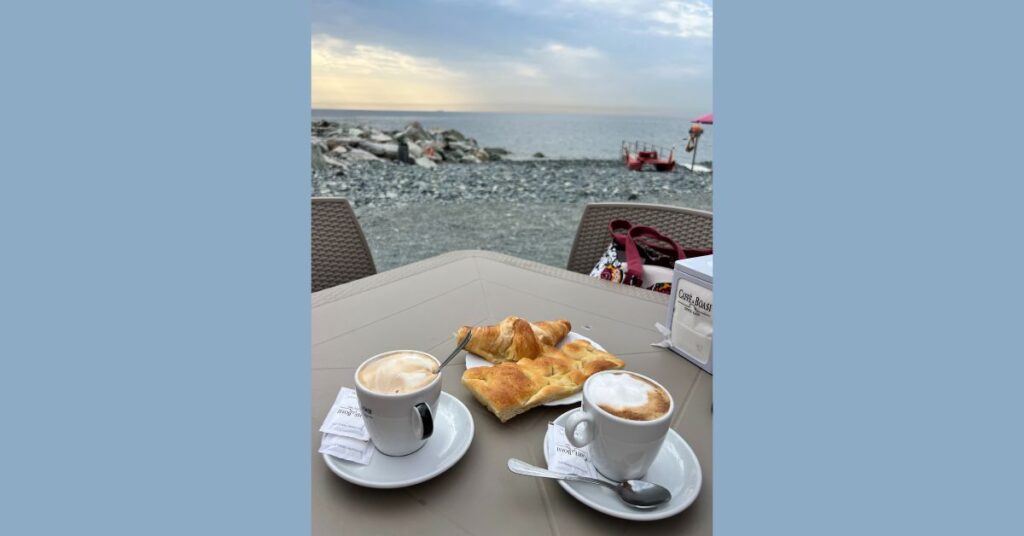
(508, 389)
(514, 338)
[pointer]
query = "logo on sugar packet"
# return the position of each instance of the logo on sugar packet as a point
(345, 418)
(565, 458)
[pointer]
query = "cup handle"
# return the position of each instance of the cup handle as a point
(574, 421)
(422, 416)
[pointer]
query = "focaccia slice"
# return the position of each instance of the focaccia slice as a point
(508, 389)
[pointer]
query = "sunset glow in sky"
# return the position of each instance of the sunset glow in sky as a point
(642, 56)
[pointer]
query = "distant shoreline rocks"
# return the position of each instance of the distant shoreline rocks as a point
(336, 145)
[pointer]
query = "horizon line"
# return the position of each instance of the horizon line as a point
(539, 112)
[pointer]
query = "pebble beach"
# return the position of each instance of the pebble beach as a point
(527, 206)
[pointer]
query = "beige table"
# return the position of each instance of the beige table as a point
(419, 306)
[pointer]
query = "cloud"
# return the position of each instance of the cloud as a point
(683, 19)
(333, 55)
(526, 70)
(572, 53)
(675, 72)
(355, 75)
(583, 63)
(559, 60)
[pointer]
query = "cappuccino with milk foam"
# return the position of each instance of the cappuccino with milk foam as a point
(398, 373)
(628, 396)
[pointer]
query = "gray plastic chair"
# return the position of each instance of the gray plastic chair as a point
(689, 227)
(339, 249)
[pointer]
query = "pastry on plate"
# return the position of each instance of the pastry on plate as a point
(514, 338)
(508, 389)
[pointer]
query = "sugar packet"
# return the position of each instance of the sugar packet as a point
(346, 418)
(347, 448)
(565, 458)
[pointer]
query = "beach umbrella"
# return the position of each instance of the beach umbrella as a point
(706, 119)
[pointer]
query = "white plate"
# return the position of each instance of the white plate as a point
(676, 468)
(474, 361)
(453, 432)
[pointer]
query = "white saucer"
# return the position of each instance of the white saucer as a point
(453, 432)
(676, 468)
(474, 361)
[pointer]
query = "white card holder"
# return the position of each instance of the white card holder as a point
(689, 326)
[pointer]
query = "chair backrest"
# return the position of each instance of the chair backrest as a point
(339, 249)
(689, 227)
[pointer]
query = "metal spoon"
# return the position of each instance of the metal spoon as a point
(636, 493)
(462, 344)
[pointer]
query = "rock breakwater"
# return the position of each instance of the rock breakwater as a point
(337, 145)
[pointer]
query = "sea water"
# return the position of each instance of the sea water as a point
(577, 136)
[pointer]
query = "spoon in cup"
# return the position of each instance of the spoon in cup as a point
(462, 344)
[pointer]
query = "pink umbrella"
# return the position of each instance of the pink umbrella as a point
(704, 119)
(707, 119)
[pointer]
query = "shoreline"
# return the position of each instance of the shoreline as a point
(516, 138)
(456, 195)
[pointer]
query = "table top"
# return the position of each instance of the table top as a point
(419, 306)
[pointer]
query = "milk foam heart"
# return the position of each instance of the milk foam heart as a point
(628, 396)
(399, 372)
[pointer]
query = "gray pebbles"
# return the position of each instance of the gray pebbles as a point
(525, 208)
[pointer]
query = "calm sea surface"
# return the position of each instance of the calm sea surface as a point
(555, 135)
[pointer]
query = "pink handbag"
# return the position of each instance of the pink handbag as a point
(641, 256)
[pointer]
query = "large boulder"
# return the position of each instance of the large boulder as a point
(425, 162)
(461, 146)
(349, 140)
(414, 132)
(385, 150)
(323, 126)
(496, 151)
(317, 150)
(334, 162)
(333, 143)
(452, 135)
(415, 150)
(452, 154)
(380, 137)
(359, 154)
(432, 152)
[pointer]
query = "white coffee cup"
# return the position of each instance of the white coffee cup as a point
(620, 448)
(399, 423)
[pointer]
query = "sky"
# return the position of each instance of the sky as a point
(538, 56)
